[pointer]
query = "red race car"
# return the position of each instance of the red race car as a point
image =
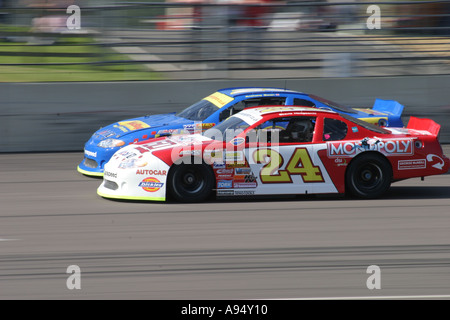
(276, 150)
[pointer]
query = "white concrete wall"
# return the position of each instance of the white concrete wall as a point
(62, 116)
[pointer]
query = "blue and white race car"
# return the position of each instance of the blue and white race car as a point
(212, 110)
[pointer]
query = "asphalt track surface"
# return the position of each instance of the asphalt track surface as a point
(289, 248)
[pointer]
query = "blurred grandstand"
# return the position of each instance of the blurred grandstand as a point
(221, 39)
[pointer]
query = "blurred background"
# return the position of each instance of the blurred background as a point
(221, 39)
(336, 49)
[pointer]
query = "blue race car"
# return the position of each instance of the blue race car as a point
(214, 109)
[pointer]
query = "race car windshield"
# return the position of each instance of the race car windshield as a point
(227, 130)
(198, 111)
(333, 105)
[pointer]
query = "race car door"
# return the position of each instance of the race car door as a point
(284, 160)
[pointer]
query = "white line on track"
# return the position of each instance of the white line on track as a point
(443, 296)
(8, 239)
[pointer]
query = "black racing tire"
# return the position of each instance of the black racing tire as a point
(190, 182)
(368, 176)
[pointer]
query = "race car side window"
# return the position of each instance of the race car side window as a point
(299, 129)
(251, 102)
(231, 110)
(303, 103)
(264, 101)
(285, 130)
(334, 129)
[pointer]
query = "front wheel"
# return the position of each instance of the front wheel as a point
(190, 182)
(369, 176)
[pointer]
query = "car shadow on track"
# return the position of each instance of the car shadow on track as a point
(394, 193)
(409, 192)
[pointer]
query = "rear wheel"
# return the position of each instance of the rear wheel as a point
(190, 182)
(369, 176)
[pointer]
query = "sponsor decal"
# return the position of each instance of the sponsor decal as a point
(224, 173)
(132, 163)
(197, 127)
(155, 145)
(106, 133)
(237, 141)
(387, 147)
(234, 156)
(243, 193)
(249, 116)
(167, 132)
(412, 164)
(151, 184)
(151, 172)
(439, 165)
(90, 153)
(249, 178)
(236, 164)
(121, 128)
(134, 125)
(219, 165)
(189, 153)
(110, 174)
(224, 176)
(219, 99)
(245, 178)
(242, 171)
(205, 126)
(124, 154)
(189, 127)
(225, 192)
(214, 156)
(245, 185)
(224, 184)
(186, 139)
(340, 162)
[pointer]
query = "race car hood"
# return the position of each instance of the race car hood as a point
(125, 127)
(167, 149)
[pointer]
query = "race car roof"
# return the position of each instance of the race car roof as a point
(237, 91)
(233, 92)
(263, 110)
(255, 114)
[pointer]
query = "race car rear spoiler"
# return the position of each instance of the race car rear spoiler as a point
(424, 124)
(388, 106)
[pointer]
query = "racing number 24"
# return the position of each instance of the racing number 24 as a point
(300, 163)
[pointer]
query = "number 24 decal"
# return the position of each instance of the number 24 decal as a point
(300, 163)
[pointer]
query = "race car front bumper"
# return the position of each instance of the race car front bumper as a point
(134, 183)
